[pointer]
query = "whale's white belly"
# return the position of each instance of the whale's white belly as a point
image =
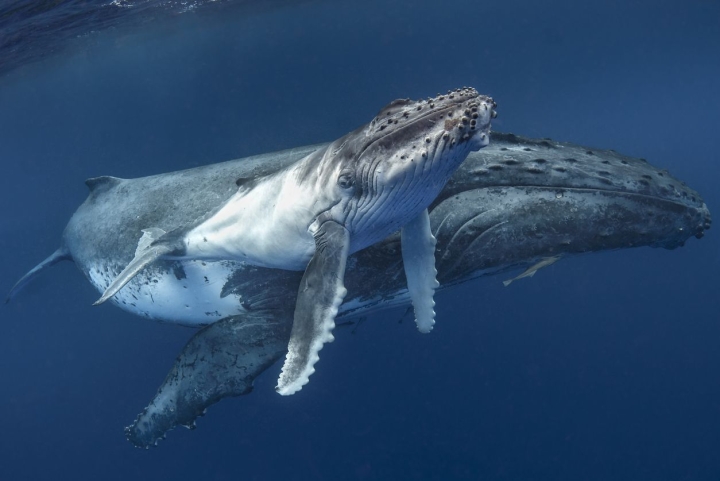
(190, 297)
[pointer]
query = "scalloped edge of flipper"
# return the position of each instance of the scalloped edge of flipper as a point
(289, 383)
(320, 295)
(61, 254)
(418, 253)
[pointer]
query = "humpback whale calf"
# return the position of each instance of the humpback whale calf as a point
(310, 215)
(510, 206)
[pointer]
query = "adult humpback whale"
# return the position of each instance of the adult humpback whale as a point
(511, 205)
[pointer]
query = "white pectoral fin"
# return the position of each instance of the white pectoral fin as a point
(319, 297)
(418, 252)
(145, 253)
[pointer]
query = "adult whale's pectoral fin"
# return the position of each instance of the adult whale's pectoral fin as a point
(148, 250)
(418, 253)
(221, 360)
(320, 295)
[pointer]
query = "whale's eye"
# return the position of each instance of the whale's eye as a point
(346, 180)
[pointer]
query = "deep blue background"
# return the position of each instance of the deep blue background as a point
(602, 367)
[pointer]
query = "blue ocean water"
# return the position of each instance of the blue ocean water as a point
(601, 367)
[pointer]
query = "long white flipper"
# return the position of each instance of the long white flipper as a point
(418, 252)
(145, 253)
(320, 295)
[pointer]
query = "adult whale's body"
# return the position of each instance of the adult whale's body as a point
(513, 204)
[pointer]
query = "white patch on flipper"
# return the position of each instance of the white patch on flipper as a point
(328, 324)
(149, 236)
(418, 252)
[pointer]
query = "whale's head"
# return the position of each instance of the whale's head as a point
(388, 171)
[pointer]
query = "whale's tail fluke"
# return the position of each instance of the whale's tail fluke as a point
(62, 254)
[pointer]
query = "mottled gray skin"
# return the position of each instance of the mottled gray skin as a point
(515, 202)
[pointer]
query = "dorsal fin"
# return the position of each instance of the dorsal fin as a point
(102, 182)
